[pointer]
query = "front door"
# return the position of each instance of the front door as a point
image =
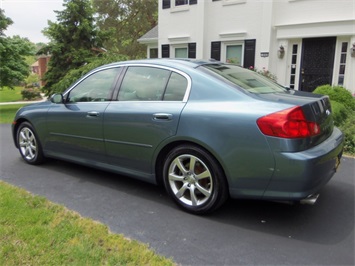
(317, 62)
(75, 128)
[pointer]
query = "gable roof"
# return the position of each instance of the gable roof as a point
(150, 37)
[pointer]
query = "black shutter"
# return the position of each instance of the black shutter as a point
(216, 50)
(165, 51)
(193, 2)
(249, 53)
(192, 50)
(166, 4)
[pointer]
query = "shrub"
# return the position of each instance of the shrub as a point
(265, 73)
(343, 106)
(340, 113)
(30, 93)
(338, 94)
(348, 128)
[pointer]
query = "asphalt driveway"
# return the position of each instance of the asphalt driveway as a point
(241, 233)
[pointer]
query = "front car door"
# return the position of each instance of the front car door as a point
(150, 101)
(75, 128)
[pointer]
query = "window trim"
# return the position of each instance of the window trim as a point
(233, 2)
(180, 46)
(232, 43)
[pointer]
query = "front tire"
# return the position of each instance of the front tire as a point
(28, 144)
(194, 179)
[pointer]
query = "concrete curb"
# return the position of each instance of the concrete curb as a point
(44, 98)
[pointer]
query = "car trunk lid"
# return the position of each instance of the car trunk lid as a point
(316, 108)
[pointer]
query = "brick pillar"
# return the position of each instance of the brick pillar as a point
(42, 64)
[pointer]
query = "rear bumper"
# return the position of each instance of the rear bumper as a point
(300, 174)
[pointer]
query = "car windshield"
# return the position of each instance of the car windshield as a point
(246, 79)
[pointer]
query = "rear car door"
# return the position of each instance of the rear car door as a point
(150, 101)
(75, 127)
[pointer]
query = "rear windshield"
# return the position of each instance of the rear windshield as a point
(245, 78)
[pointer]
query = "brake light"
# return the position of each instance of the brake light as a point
(288, 123)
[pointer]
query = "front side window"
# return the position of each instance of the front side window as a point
(95, 88)
(245, 79)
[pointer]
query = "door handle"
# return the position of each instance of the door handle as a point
(93, 113)
(162, 116)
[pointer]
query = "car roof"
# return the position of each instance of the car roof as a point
(176, 62)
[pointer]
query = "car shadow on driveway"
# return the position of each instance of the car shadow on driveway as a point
(328, 222)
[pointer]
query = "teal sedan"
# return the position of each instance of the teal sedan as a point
(204, 129)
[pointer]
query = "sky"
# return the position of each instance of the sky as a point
(30, 17)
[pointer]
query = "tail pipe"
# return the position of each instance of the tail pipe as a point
(310, 200)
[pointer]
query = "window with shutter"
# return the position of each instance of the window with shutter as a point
(166, 4)
(192, 50)
(216, 50)
(165, 51)
(249, 53)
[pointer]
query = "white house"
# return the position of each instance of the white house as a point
(305, 43)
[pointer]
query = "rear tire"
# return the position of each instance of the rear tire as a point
(194, 179)
(28, 144)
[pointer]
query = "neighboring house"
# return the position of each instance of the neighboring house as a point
(40, 67)
(305, 43)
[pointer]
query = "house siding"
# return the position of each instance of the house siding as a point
(270, 25)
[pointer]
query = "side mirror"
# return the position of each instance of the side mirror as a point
(57, 98)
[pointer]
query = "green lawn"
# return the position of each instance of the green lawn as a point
(7, 112)
(34, 231)
(9, 95)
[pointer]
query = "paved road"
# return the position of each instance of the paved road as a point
(241, 233)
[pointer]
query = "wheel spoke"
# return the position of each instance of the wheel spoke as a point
(23, 136)
(194, 199)
(22, 144)
(179, 164)
(192, 164)
(33, 146)
(181, 191)
(30, 137)
(175, 177)
(204, 174)
(30, 153)
(204, 191)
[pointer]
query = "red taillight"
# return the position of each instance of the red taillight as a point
(289, 123)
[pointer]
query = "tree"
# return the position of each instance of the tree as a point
(13, 66)
(72, 40)
(127, 21)
(4, 22)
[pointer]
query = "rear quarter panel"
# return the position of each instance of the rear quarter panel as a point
(222, 119)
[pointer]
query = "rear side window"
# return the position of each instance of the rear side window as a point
(142, 83)
(246, 79)
(175, 91)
